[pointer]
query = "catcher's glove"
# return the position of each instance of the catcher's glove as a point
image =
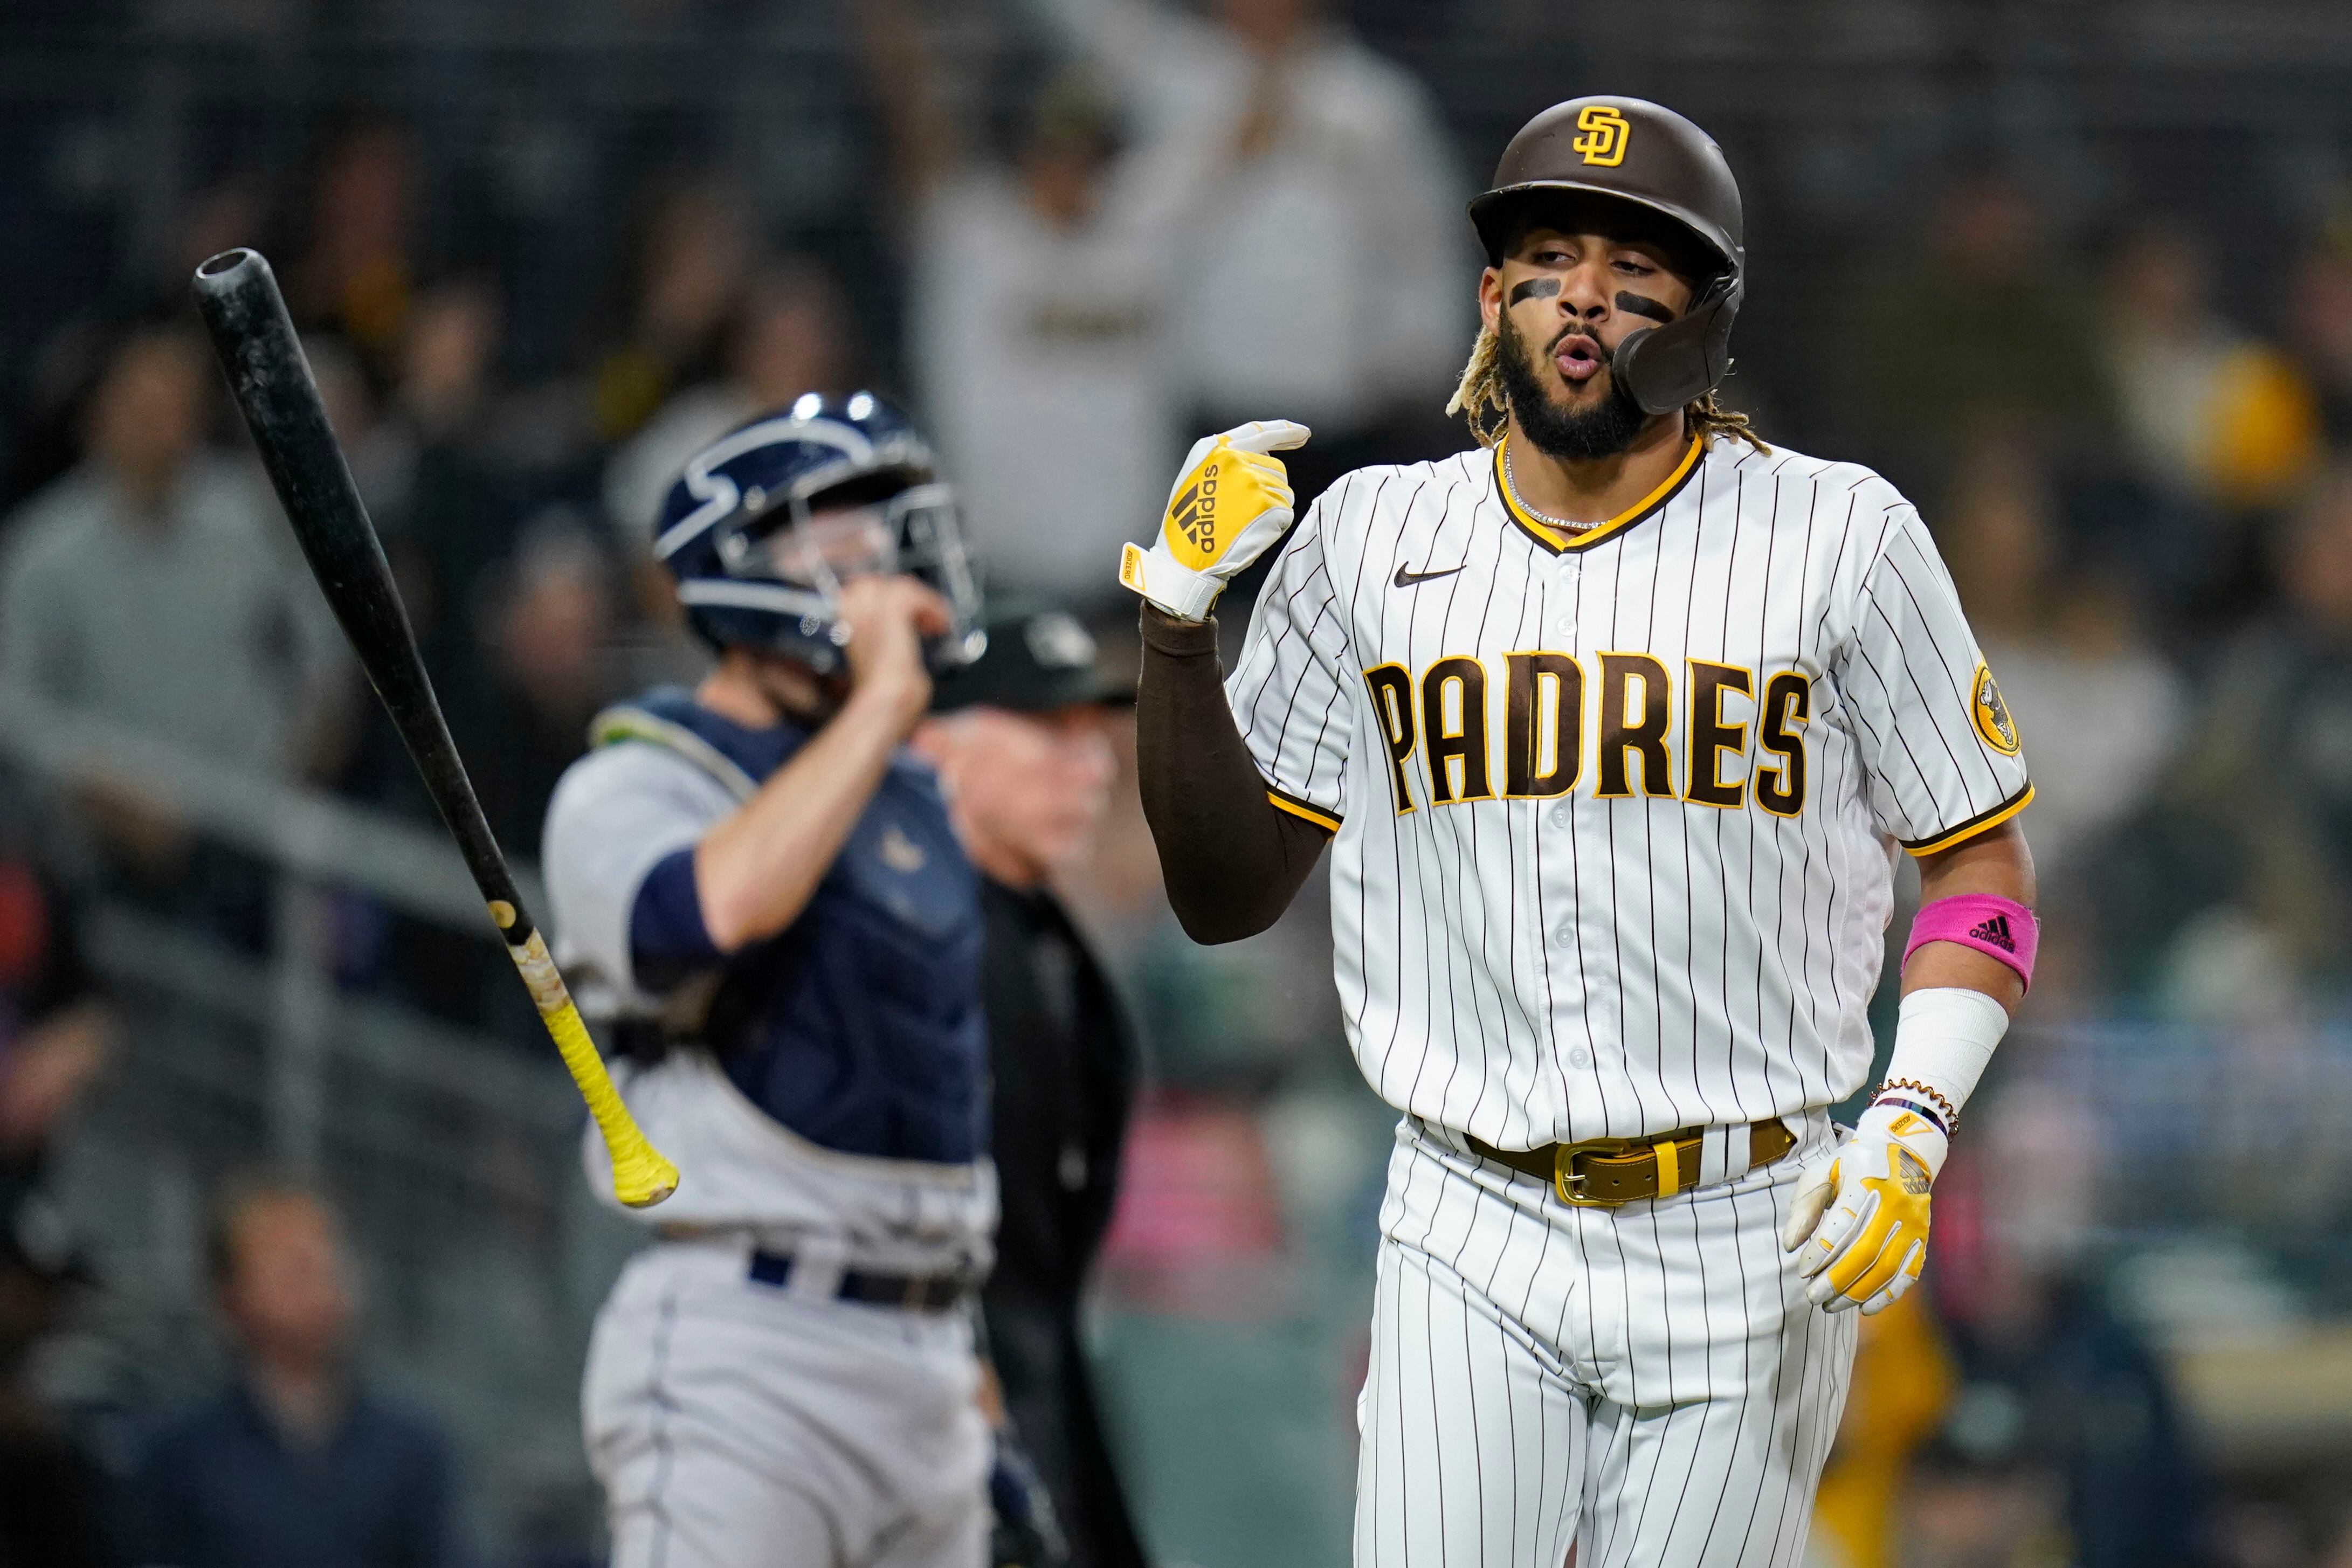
(1230, 503)
(1861, 1211)
(1023, 1531)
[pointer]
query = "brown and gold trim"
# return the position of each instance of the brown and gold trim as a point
(1559, 542)
(1306, 811)
(1983, 821)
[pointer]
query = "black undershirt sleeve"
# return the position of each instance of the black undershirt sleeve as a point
(1230, 858)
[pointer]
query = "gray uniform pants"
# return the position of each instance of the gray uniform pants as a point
(739, 1424)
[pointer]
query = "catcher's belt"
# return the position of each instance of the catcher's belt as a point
(915, 1292)
(1602, 1173)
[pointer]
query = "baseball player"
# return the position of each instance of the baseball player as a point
(766, 887)
(1614, 726)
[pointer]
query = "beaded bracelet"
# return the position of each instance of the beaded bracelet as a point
(1948, 1123)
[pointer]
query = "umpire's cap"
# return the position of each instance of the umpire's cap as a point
(1036, 660)
(1644, 153)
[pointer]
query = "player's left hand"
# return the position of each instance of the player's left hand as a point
(1861, 1211)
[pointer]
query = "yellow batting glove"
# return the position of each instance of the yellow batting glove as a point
(1861, 1211)
(1232, 502)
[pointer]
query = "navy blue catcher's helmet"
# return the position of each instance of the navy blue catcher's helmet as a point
(765, 524)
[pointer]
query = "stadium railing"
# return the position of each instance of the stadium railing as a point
(452, 1152)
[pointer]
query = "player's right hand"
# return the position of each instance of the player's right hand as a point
(1860, 1211)
(887, 618)
(1230, 503)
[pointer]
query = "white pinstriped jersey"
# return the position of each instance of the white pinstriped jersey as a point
(1617, 811)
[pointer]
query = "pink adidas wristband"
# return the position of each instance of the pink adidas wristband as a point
(2000, 928)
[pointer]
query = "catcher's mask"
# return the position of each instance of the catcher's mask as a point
(766, 522)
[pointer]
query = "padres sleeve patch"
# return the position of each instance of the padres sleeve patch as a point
(1994, 725)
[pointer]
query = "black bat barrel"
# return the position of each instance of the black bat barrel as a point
(238, 294)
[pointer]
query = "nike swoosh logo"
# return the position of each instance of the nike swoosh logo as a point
(1407, 577)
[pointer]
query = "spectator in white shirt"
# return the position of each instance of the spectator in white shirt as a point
(1322, 272)
(1036, 320)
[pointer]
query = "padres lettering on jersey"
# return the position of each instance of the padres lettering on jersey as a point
(1545, 718)
(1616, 810)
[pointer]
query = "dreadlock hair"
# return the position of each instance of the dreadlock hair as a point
(1478, 398)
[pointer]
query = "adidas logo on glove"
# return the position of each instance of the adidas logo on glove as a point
(1192, 559)
(1195, 514)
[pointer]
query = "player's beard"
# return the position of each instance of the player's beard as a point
(1570, 436)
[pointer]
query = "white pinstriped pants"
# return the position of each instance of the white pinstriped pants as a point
(1646, 1383)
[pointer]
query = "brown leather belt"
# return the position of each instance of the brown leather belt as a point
(1602, 1173)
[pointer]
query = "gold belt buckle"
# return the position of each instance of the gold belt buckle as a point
(1568, 1182)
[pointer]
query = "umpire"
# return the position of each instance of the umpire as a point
(1020, 745)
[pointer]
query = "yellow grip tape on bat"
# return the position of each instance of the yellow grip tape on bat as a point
(641, 1176)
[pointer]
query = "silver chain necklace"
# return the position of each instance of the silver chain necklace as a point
(1511, 478)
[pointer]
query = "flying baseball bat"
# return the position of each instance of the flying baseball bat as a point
(254, 337)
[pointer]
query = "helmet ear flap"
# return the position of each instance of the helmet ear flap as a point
(1666, 368)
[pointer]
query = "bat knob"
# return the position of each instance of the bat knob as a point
(236, 291)
(232, 271)
(226, 261)
(641, 1176)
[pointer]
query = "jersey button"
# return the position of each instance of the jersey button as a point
(1563, 628)
(1567, 931)
(1580, 1057)
(1560, 816)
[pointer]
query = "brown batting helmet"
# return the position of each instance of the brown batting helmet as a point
(1644, 153)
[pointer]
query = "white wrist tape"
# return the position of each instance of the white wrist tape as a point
(1944, 1037)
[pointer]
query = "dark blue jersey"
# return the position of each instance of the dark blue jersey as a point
(859, 1026)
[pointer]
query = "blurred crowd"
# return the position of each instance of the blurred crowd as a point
(2136, 465)
(2132, 442)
